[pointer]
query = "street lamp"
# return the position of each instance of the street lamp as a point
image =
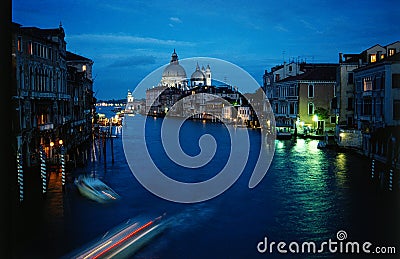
(315, 119)
(60, 142)
(51, 149)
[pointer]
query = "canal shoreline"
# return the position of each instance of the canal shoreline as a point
(58, 210)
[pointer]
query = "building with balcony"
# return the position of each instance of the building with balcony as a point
(41, 97)
(316, 90)
(80, 88)
(52, 95)
(279, 73)
(344, 101)
(299, 96)
(377, 106)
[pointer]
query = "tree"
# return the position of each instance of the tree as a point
(322, 113)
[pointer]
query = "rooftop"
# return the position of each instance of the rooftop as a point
(316, 72)
(75, 57)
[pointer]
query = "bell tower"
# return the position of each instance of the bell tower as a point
(208, 75)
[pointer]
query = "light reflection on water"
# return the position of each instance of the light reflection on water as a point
(308, 194)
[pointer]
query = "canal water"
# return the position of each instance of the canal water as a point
(308, 194)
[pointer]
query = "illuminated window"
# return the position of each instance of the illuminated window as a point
(30, 48)
(277, 77)
(392, 52)
(84, 68)
(367, 83)
(372, 58)
(19, 44)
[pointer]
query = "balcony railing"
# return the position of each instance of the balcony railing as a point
(47, 126)
(367, 93)
(64, 96)
(365, 117)
(45, 95)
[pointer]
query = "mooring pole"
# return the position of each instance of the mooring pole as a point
(43, 172)
(62, 158)
(391, 179)
(20, 176)
(112, 149)
(373, 168)
(104, 148)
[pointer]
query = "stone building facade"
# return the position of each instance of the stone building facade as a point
(51, 95)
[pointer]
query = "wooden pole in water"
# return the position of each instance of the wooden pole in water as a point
(112, 149)
(104, 147)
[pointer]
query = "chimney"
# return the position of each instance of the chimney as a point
(340, 57)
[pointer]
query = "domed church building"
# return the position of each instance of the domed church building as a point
(201, 77)
(175, 84)
(174, 75)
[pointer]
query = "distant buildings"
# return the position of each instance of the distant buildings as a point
(53, 93)
(196, 97)
(134, 106)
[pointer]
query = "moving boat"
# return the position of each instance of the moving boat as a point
(124, 240)
(95, 189)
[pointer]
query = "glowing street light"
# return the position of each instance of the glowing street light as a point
(315, 119)
(60, 142)
(51, 144)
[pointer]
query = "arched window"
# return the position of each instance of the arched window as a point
(21, 78)
(310, 91)
(31, 79)
(310, 108)
(37, 86)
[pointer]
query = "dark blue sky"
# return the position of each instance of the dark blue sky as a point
(129, 39)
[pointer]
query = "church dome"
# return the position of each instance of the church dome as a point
(174, 69)
(198, 75)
